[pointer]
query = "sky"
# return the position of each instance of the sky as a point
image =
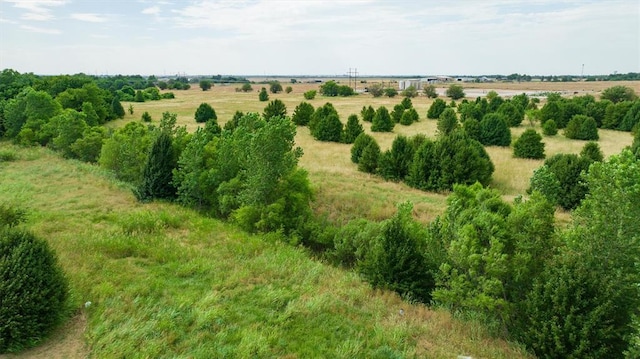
(320, 37)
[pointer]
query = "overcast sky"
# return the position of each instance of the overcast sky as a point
(320, 37)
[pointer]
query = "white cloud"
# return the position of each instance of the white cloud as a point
(88, 17)
(41, 30)
(154, 10)
(36, 10)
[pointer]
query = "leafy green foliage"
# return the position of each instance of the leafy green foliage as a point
(397, 112)
(33, 290)
(246, 87)
(263, 95)
(361, 142)
(329, 128)
(11, 216)
(406, 103)
(310, 95)
(472, 128)
(619, 93)
(204, 113)
(430, 91)
(493, 252)
(494, 131)
(158, 171)
(581, 127)
(529, 145)
(332, 89)
(352, 129)
(205, 85)
(368, 161)
(390, 92)
(146, 117)
(615, 113)
(455, 92)
(409, 116)
(631, 118)
(125, 152)
(447, 122)
(592, 152)
(274, 108)
(139, 96)
(367, 113)
(584, 303)
(566, 169)
(410, 92)
(514, 115)
(302, 114)
(394, 163)
(549, 128)
(275, 87)
(436, 108)
(376, 90)
(397, 259)
(116, 108)
(320, 114)
(382, 121)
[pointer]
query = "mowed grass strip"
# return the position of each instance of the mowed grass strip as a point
(163, 281)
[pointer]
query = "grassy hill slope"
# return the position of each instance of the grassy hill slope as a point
(164, 281)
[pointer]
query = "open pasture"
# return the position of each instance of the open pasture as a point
(343, 192)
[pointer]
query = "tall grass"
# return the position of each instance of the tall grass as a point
(166, 282)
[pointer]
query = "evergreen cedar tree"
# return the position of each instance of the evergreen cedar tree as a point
(302, 114)
(204, 113)
(275, 108)
(158, 171)
(529, 145)
(382, 121)
(436, 108)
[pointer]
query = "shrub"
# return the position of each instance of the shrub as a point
(158, 171)
(448, 121)
(409, 116)
(436, 108)
(367, 113)
(390, 92)
(352, 130)
(430, 91)
(382, 121)
(146, 117)
(361, 142)
(406, 103)
(246, 87)
(302, 114)
(494, 131)
(33, 290)
(329, 128)
(394, 163)
(397, 259)
(549, 128)
(631, 118)
(513, 114)
(288, 89)
(11, 216)
(275, 87)
(8, 156)
(529, 145)
(310, 95)
(410, 92)
(369, 159)
(581, 127)
(397, 112)
(376, 90)
(472, 128)
(592, 152)
(263, 95)
(205, 113)
(455, 92)
(567, 169)
(275, 108)
(617, 94)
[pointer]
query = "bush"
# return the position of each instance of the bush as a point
(448, 121)
(275, 108)
(205, 113)
(592, 152)
(549, 128)
(409, 116)
(367, 113)
(369, 159)
(617, 94)
(436, 108)
(382, 121)
(430, 91)
(581, 127)
(146, 117)
(8, 156)
(302, 114)
(494, 131)
(361, 142)
(246, 87)
(529, 145)
(329, 128)
(33, 290)
(263, 95)
(455, 92)
(394, 163)
(288, 89)
(513, 114)
(376, 90)
(397, 112)
(275, 87)
(352, 129)
(567, 169)
(310, 95)
(410, 92)
(158, 171)
(390, 92)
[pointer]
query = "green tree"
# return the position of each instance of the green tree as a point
(91, 117)
(310, 95)
(406, 103)
(581, 127)
(455, 92)
(584, 304)
(33, 289)
(139, 96)
(552, 110)
(329, 88)
(146, 117)
(631, 118)
(397, 112)
(382, 121)
(617, 94)
(430, 91)
(436, 108)
(367, 113)
(263, 95)
(472, 128)
(361, 142)
(275, 87)
(302, 114)
(205, 85)
(88, 147)
(447, 122)
(329, 128)
(274, 108)
(615, 113)
(398, 261)
(567, 170)
(529, 145)
(158, 171)
(514, 115)
(246, 87)
(549, 128)
(390, 92)
(410, 92)
(125, 152)
(321, 113)
(494, 131)
(352, 129)
(376, 90)
(204, 113)
(116, 108)
(369, 159)
(288, 89)
(592, 152)
(394, 163)
(409, 116)
(66, 129)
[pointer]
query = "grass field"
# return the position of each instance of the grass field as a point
(343, 192)
(165, 282)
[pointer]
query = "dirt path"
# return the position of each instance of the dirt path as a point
(67, 342)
